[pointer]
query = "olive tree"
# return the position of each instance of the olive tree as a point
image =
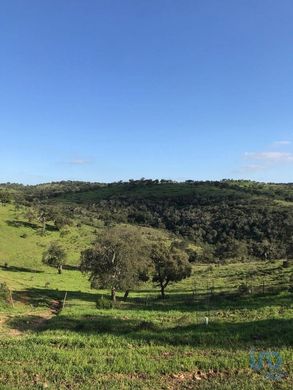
(55, 256)
(117, 260)
(170, 265)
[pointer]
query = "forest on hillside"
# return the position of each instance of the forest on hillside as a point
(222, 220)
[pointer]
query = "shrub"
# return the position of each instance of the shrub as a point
(5, 295)
(64, 232)
(285, 264)
(146, 325)
(243, 289)
(104, 303)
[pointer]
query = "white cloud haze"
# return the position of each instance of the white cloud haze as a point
(280, 143)
(79, 162)
(270, 157)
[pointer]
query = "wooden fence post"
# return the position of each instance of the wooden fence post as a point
(64, 300)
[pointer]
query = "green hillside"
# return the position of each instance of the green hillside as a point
(20, 242)
(227, 219)
(144, 342)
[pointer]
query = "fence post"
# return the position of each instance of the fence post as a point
(11, 298)
(64, 300)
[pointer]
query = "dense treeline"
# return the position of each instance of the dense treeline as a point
(226, 219)
(228, 229)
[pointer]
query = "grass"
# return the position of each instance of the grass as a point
(145, 342)
(20, 243)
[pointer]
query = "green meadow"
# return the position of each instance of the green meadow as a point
(144, 342)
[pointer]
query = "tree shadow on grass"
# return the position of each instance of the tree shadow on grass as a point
(185, 303)
(273, 333)
(25, 224)
(71, 267)
(13, 268)
(30, 225)
(43, 296)
(206, 302)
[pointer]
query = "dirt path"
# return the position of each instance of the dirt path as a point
(6, 330)
(17, 325)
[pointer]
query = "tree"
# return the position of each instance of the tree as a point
(42, 215)
(289, 249)
(231, 249)
(268, 250)
(60, 221)
(5, 197)
(55, 256)
(30, 215)
(205, 254)
(170, 265)
(118, 260)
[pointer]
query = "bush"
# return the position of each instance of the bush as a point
(146, 325)
(286, 264)
(64, 232)
(243, 289)
(104, 303)
(5, 295)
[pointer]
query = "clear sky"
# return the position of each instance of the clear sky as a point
(104, 90)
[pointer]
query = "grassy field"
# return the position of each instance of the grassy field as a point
(20, 243)
(146, 342)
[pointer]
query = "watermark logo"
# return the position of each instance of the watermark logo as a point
(268, 362)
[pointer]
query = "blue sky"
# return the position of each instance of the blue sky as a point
(104, 90)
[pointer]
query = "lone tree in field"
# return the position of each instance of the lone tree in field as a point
(55, 256)
(170, 265)
(61, 220)
(42, 213)
(117, 260)
(30, 215)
